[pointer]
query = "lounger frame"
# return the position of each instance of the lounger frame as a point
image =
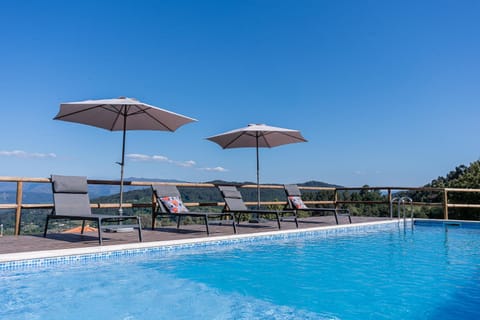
(292, 190)
(71, 202)
(161, 210)
(234, 203)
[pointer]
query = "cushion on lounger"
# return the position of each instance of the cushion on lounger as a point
(174, 204)
(297, 202)
(69, 184)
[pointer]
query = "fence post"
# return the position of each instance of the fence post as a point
(390, 203)
(154, 209)
(335, 197)
(18, 210)
(445, 204)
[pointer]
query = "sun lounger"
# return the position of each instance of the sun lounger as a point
(234, 204)
(169, 204)
(295, 202)
(71, 202)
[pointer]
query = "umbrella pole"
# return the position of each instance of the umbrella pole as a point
(254, 218)
(120, 210)
(258, 179)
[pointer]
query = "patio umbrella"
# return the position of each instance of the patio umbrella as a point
(258, 136)
(121, 114)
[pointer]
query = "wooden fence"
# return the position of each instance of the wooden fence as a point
(19, 205)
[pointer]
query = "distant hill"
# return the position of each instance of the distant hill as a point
(314, 183)
(28, 197)
(311, 183)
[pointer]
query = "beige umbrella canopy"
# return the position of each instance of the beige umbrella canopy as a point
(121, 114)
(258, 136)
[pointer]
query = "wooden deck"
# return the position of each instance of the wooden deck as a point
(55, 241)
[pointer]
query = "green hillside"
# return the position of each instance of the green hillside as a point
(461, 177)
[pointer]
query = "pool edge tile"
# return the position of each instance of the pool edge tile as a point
(12, 261)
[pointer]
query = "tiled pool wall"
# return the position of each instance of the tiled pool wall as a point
(452, 223)
(233, 240)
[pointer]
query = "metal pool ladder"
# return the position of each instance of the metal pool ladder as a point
(402, 204)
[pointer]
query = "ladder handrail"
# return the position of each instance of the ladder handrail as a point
(391, 206)
(401, 204)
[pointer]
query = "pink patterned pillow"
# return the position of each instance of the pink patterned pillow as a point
(174, 204)
(297, 202)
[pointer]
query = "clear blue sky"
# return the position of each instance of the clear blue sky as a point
(386, 92)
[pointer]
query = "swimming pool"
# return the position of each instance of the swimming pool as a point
(432, 272)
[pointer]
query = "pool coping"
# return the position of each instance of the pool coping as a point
(59, 253)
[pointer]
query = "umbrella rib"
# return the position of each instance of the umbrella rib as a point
(145, 111)
(75, 112)
(233, 140)
(294, 137)
(260, 135)
(118, 114)
(285, 134)
(103, 106)
(139, 110)
(160, 122)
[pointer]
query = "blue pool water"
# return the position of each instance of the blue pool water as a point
(430, 273)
